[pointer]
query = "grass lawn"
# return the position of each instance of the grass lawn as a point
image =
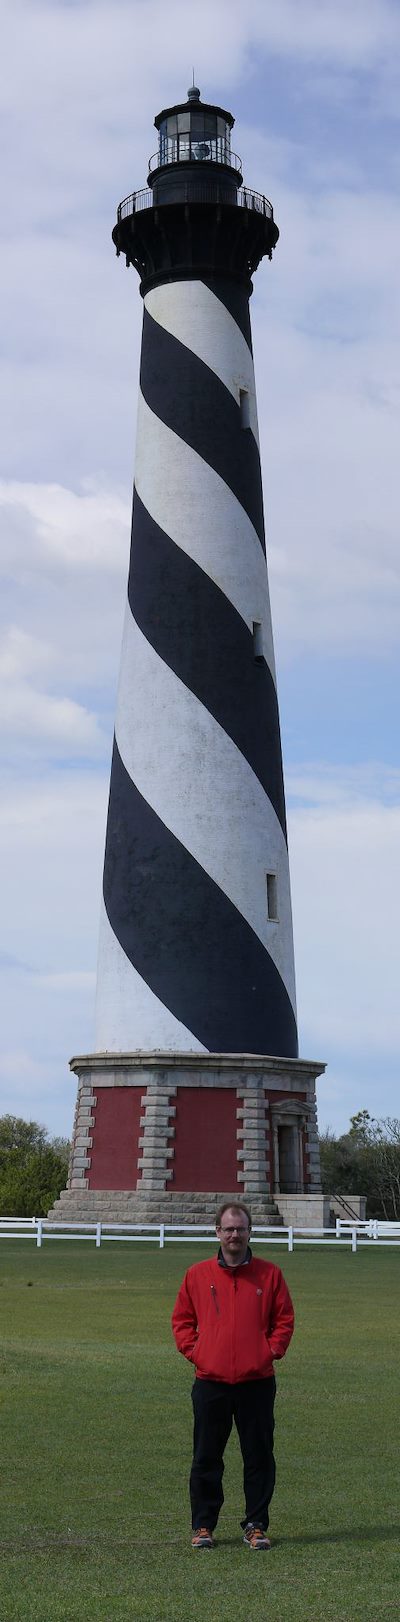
(96, 1443)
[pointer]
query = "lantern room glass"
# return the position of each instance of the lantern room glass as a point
(194, 135)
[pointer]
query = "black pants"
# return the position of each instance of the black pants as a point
(216, 1405)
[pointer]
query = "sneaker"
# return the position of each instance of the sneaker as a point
(255, 1537)
(202, 1538)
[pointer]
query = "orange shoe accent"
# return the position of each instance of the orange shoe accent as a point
(202, 1538)
(256, 1538)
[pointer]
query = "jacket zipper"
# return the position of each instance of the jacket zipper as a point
(215, 1298)
(234, 1293)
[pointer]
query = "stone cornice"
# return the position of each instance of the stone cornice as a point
(251, 1062)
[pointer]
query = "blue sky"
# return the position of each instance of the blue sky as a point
(315, 91)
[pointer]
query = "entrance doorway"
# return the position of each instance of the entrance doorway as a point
(288, 1158)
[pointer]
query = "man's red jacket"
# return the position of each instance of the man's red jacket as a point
(231, 1322)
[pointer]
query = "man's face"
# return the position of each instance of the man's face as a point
(233, 1235)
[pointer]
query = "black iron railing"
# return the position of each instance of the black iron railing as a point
(254, 199)
(349, 1209)
(195, 149)
(204, 194)
(136, 201)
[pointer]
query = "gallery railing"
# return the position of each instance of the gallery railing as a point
(195, 149)
(246, 198)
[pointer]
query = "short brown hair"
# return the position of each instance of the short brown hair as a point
(232, 1205)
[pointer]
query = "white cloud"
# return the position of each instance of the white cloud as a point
(346, 788)
(52, 843)
(52, 833)
(73, 980)
(326, 327)
(39, 1089)
(32, 717)
(106, 34)
(84, 530)
(22, 655)
(346, 897)
(64, 564)
(52, 830)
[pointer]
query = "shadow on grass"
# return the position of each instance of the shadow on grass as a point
(357, 1534)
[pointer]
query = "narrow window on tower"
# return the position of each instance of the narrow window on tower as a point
(258, 642)
(272, 899)
(244, 402)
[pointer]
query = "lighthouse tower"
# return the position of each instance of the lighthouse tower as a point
(195, 1089)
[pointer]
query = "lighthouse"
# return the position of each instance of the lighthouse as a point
(195, 1088)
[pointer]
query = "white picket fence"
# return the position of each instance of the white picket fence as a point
(357, 1234)
(373, 1229)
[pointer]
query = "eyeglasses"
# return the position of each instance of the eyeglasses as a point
(236, 1229)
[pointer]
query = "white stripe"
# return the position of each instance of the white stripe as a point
(129, 1017)
(198, 782)
(190, 502)
(194, 315)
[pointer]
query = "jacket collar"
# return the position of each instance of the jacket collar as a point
(222, 1263)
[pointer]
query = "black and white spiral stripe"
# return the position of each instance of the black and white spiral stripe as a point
(189, 959)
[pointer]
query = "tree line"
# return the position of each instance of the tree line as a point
(33, 1167)
(364, 1160)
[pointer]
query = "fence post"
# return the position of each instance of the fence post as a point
(162, 1235)
(98, 1235)
(354, 1239)
(39, 1232)
(290, 1238)
(338, 1227)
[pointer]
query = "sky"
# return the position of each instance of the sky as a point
(314, 87)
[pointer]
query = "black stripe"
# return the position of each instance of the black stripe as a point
(191, 400)
(200, 635)
(186, 940)
(236, 300)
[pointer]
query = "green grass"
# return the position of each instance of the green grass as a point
(96, 1443)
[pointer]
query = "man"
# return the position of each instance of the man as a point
(232, 1317)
